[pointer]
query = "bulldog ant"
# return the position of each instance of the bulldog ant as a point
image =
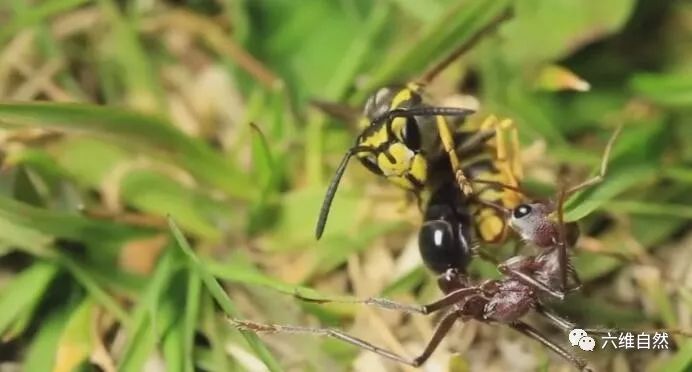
(446, 250)
(525, 281)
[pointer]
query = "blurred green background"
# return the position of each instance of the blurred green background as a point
(118, 113)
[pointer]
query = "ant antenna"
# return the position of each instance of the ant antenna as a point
(604, 165)
(431, 74)
(562, 246)
(331, 191)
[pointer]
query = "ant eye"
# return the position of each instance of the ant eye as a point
(411, 135)
(522, 211)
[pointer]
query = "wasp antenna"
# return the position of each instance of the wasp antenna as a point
(501, 185)
(425, 111)
(498, 207)
(446, 111)
(329, 196)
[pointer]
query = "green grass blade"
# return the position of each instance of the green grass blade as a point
(458, 25)
(24, 292)
(65, 225)
(666, 89)
(210, 327)
(682, 361)
(615, 183)
(240, 270)
(40, 356)
(148, 134)
(650, 208)
(135, 65)
(77, 338)
(36, 15)
(222, 298)
(191, 319)
(84, 277)
(170, 321)
(142, 335)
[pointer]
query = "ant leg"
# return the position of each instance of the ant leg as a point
(604, 165)
(441, 331)
(443, 327)
(387, 304)
(567, 325)
(245, 325)
(530, 281)
(536, 335)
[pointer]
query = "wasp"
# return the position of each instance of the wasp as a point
(395, 142)
(414, 145)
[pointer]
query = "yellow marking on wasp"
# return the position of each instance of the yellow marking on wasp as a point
(402, 156)
(398, 125)
(415, 88)
(490, 226)
(402, 182)
(419, 168)
(376, 139)
(364, 122)
(402, 96)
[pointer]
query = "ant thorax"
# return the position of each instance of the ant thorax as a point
(548, 271)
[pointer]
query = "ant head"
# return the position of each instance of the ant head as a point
(532, 222)
(536, 222)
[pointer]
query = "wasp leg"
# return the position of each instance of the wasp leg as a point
(604, 165)
(536, 335)
(476, 139)
(449, 147)
(384, 303)
(507, 154)
(442, 329)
